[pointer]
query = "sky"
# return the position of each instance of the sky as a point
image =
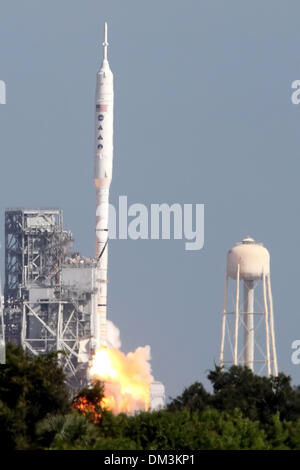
(203, 115)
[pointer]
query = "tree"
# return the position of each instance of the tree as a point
(88, 401)
(71, 431)
(221, 430)
(195, 398)
(30, 388)
(186, 430)
(259, 398)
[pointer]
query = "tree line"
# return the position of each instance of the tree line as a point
(243, 411)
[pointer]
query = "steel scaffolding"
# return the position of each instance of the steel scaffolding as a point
(40, 312)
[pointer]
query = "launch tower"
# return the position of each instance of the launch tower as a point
(49, 295)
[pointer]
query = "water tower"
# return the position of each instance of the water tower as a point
(248, 335)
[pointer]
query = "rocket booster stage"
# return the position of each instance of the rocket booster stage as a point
(102, 178)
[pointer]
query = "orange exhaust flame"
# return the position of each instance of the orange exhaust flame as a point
(127, 378)
(87, 409)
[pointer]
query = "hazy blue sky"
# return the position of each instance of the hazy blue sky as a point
(203, 114)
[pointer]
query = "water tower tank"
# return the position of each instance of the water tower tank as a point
(253, 258)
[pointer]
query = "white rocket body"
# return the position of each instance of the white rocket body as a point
(104, 103)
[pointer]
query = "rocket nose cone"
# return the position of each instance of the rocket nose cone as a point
(105, 68)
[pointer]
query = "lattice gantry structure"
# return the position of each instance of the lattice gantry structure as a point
(34, 249)
(248, 333)
(49, 293)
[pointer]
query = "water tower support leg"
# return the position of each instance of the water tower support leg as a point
(249, 324)
(236, 326)
(275, 367)
(223, 322)
(266, 314)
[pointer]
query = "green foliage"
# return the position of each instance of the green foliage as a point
(70, 431)
(185, 430)
(113, 426)
(160, 430)
(244, 411)
(75, 431)
(220, 430)
(259, 398)
(293, 440)
(30, 388)
(278, 433)
(195, 398)
(12, 427)
(157, 430)
(48, 428)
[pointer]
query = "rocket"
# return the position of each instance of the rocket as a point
(104, 103)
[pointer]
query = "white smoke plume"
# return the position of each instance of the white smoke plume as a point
(113, 335)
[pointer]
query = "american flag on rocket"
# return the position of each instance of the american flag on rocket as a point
(101, 107)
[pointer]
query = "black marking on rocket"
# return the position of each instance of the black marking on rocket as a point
(103, 249)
